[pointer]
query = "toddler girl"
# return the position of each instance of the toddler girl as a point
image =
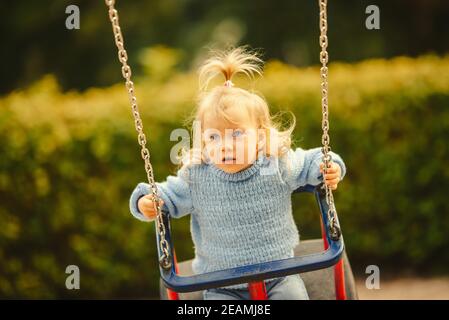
(237, 186)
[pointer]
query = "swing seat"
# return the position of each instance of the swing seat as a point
(315, 266)
(320, 284)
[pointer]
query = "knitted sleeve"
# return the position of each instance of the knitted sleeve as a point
(175, 192)
(301, 167)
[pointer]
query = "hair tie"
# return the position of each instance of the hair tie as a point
(228, 83)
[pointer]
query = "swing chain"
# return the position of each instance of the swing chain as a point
(334, 226)
(164, 260)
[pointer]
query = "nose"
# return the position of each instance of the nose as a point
(227, 145)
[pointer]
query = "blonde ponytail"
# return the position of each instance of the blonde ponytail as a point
(229, 63)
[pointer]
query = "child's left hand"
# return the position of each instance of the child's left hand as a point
(333, 175)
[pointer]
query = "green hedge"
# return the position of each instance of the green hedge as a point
(69, 162)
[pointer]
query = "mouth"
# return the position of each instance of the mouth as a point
(228, 159)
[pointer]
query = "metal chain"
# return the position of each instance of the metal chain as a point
(164, 260)
(325, 140)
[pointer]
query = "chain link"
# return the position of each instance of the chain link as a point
(332, 218)
(164, 259)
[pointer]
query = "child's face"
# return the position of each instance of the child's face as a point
(230, 146)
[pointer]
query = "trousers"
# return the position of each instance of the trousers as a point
(285, 288)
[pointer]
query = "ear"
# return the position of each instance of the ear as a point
(263, 140)
(205, 156)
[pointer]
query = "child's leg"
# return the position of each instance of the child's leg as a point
(290, 288)
(224, 294)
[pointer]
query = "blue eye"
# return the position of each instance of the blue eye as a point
(237, 133)
(214, 137)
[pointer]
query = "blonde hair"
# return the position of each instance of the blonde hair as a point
(218, 100)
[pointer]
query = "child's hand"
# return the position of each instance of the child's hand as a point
(333, 175)
(146, 205)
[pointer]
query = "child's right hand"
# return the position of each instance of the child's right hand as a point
(147, 206)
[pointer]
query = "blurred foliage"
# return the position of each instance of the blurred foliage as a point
(37, 42)
(69, 162)
(159, 62)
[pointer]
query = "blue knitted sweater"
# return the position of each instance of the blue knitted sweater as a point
(239, 218)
